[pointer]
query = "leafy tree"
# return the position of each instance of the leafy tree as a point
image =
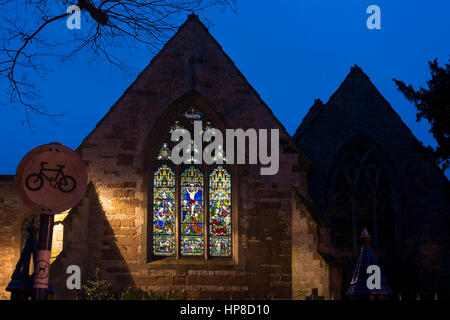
(433, 104)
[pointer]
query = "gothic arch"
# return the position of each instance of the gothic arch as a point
(362, 192)
(156, 141)
(173, 111)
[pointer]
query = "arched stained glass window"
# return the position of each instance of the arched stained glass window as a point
(220, 212)
(192, 226)
(176, 125)
(194, 151)
(164, 212)
(164, 152)
(193, 114)
(185, 223)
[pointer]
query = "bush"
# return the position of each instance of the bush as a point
(139, 294)
(133, 294)
(97, 289)
(175, 294)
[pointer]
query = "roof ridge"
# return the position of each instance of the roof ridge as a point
(191, 17)
(294, 144)
(355, 69)
(312, 113)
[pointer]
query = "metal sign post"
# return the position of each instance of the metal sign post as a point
(50, 179)
(42, 268)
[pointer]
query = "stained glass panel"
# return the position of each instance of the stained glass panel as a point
(220, 246)
(164, 152)
(193, 114)
(192, 229)
(192, 246)
(164, 212)
(220, 212)
(207, 125)
(220, 154)
(176, 125)
(195, 152)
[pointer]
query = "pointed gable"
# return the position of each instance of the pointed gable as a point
(310, 116)
(191, 73)
(356, 90)
(357, 107)
(358, 112)
(191, 60)
(356, 95)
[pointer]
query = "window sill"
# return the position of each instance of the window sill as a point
(193, 263)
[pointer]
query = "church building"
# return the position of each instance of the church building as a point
(224, 231)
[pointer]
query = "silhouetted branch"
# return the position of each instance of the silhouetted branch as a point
(31, 37)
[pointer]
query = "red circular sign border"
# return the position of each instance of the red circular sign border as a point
(51, 210)
(48, 269)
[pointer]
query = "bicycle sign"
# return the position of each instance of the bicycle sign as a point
(51, 178)
(65, 183)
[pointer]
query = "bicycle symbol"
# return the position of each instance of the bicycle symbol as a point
(35, 181)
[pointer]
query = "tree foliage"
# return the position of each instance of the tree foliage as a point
(33, 34)
(433, 105)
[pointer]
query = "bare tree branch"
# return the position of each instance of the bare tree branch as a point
(29, 37)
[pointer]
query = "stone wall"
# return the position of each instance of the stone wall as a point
(109, 228)
(108, 233)
(11, 211)
(12, 216)
(310, 271)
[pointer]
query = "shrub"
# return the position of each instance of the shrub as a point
(139, 294)
(97, 289)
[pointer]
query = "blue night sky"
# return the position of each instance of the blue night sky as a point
(290, 51)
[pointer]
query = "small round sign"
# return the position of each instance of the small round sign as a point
(51, 178)
(42, 269)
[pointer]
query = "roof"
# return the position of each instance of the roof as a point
(358, 285)
(310, 116)
(194, 22)
(353, 82)
(355, 86)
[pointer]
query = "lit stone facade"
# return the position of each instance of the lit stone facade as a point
(282, 245)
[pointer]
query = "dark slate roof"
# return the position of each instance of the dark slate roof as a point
(355, 86)
(356, 89)
(310, 116)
